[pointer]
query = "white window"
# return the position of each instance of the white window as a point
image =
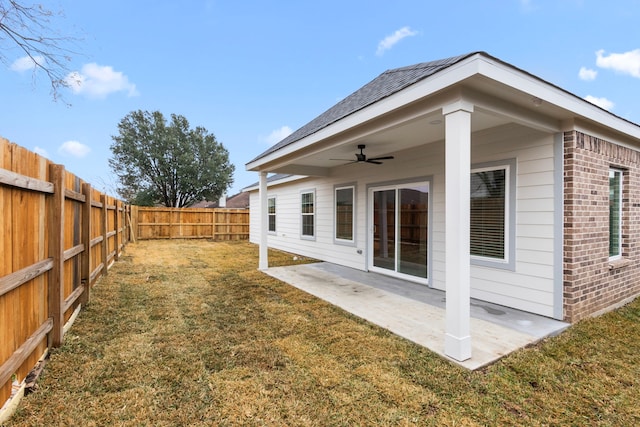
(308, 214)
(615, 213)
(491, 215)
(344, 213)
(271, 208)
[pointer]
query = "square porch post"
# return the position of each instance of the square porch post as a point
(263, 263)
(457, 223)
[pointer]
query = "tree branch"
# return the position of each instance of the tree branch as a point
(28, 28)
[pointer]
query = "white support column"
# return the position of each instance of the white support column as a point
(263, 263)
(457, 342)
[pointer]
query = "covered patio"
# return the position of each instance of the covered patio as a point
(416, 312)
(430, 129)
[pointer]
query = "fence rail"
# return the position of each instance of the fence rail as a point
(190, 223)
(58, 235)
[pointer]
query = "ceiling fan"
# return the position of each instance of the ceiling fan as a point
(362, 158)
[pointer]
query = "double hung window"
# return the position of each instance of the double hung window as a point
(491, 215)
(615, 213)
(308, 214)
(271, 209)
(344, 214)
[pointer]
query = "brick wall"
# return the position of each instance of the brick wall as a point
(591, 282)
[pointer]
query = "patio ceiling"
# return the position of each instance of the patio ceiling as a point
(319, 161)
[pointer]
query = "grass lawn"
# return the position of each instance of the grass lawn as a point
(190, 333)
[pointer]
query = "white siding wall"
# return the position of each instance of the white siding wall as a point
(530, 287)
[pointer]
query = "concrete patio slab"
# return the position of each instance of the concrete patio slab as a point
(417, 312)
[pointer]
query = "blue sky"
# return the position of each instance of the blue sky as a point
(250, 72)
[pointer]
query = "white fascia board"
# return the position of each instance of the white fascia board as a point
(547, 92)
(419, 90)
(272, 183)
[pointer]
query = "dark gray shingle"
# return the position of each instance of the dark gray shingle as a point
(386, 84)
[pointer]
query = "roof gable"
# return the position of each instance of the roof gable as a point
(386, 84)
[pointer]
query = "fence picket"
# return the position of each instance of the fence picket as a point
(59, 235)
(49, 231)
(216, 224)
(56, 252)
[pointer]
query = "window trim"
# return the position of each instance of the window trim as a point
(336, 239)
(620, 213)
(508, 262)
(275, 216)
(315, 204)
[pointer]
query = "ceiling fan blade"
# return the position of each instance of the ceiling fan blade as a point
(362, 158)
(348, 162)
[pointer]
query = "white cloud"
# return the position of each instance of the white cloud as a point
(98, 81)
(278, 135)
(587, 74)
(527, 5)
(27, 63)
(600, 102)
(389, 41)
(625, 63)
(74, 149)
(41, 151)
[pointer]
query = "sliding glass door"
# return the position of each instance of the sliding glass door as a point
(399, 232)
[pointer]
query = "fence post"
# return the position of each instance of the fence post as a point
(216, 230)
(123, 224)
(116, 225)
(105, 242)
(125, 229)
(213, 224)
(85, 276)
(133, 222)
(170, 223)
(56, 251)
(130, 236)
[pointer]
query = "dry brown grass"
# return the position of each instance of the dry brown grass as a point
(190, 333)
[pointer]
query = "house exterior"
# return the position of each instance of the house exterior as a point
(501, 187)
(237, 201)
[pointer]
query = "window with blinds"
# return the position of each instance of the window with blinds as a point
(488, 212)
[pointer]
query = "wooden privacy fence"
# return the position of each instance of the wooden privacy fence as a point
(57, 236)
(189, 223)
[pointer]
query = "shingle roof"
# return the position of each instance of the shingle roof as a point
(386, 84)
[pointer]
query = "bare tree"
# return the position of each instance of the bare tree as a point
(29, 29)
